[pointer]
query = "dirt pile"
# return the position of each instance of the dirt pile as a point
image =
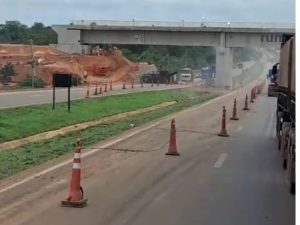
(107, 66)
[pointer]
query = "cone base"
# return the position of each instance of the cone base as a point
(76, 204)
(223, 135)
(246, 109)
(172, 153)
(234, 118)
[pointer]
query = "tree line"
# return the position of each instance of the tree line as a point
(174, 58)
(14, 32)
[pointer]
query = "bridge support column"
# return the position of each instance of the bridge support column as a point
(224, 64)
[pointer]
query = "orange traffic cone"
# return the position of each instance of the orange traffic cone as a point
(252, 97)
(259, 90)
(246, 103)
(87, 92)
(223, 132)
(234, 117)
(96, 90)
(110, 86)
(105, 87)
(172, 144)
(124, 85)
(76, 198)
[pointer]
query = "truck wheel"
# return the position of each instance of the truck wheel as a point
(291, 161)
(279, 127)
(284, 165)
(292, 188)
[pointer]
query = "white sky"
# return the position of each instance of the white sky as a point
(63, 11)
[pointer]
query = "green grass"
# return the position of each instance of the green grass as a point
(26, 121)
(16, 160)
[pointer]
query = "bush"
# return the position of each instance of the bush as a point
(6, 73)
(38, 82)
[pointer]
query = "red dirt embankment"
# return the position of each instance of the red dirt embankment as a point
(110, 65)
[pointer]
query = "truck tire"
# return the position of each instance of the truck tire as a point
(278, 127)
(286, 127)
(291, 162)
(293, 188)
(284, 164)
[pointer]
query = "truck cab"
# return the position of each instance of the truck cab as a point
(186, 75)
(272, 77)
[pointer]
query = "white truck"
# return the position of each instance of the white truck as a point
(185, 75)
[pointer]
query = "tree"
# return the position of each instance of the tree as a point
(16, 33)
(6, 73)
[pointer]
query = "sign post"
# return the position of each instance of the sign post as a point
(62, 80)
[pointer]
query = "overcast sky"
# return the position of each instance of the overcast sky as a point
(63, 11)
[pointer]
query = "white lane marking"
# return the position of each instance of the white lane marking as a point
(26, 198)
(220, 160)
(33, 96)
(99, 148)
(77, 155)
(39, 91)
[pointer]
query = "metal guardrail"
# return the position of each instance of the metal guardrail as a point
(181, 24)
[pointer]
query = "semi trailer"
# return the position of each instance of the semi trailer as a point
(286, 101)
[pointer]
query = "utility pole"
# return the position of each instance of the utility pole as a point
(168, 61)
(33, 64)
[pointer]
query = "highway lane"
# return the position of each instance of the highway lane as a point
(34, 97)
(228, 181)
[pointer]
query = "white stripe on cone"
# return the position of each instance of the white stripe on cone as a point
(77, 156)
(76, 165)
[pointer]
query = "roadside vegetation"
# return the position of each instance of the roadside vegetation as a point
(22, 122)
(21, 158)
(6, 72)
(27, 82)
(14, 32)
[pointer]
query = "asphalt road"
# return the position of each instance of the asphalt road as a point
(230, 181)
(34, 97)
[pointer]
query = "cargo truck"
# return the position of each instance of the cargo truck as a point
(186, 75)
(273, 83)
(286, 101)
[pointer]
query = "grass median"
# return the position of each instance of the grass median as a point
(21, 158)
(26, 121)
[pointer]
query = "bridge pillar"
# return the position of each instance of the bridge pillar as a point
(224, 64)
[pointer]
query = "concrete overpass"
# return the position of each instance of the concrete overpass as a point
(222, 36)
